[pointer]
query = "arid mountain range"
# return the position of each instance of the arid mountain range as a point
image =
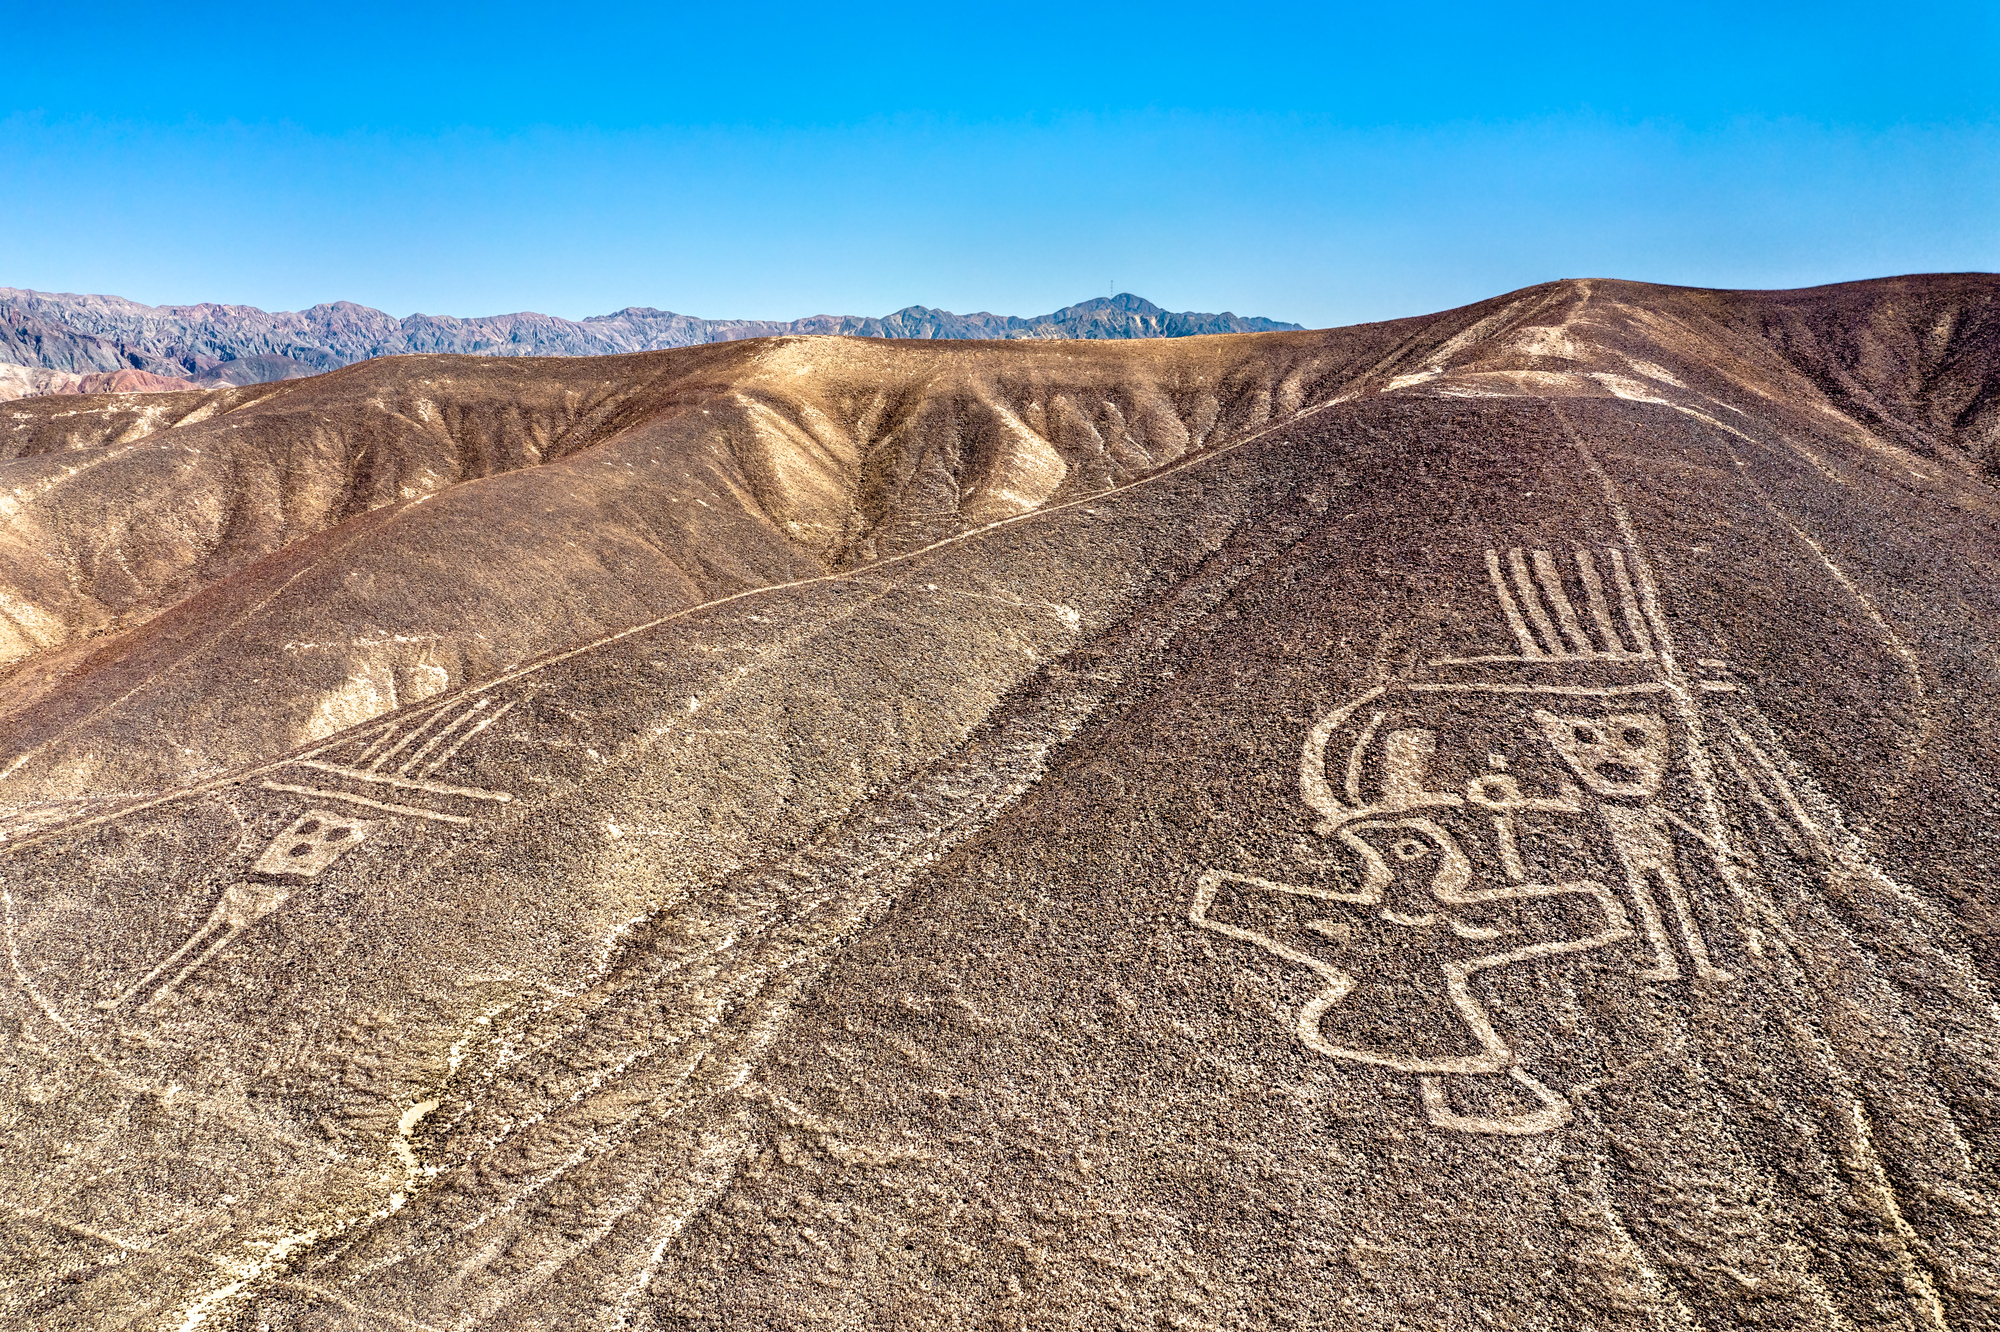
(1481, 820)
(50, 341)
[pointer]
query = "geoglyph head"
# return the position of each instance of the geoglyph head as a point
(1622, 754)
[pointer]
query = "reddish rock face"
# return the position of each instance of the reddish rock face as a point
(1477, 820)
(123, 381)
(21, 382)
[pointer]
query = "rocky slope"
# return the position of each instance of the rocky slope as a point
(1478, 820)
(236, 344)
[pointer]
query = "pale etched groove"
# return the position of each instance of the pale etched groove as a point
(562, 1136)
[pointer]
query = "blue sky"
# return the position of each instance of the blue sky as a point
(1322, 163)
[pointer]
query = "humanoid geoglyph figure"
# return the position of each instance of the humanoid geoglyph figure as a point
(1552, 807)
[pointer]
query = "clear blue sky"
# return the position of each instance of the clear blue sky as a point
(1322, 163)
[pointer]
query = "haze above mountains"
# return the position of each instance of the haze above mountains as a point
(50, 342)
(1487, 819)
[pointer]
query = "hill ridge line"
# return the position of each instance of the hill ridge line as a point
(858, 574)
(68, 337)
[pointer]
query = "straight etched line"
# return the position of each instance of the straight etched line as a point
(1529, 648)
(1783, 787)
(192, 942)
(1600, 609)
(443, 734)
(227, 938)
(1531, 603)
(1685, 697)
(1650, 687)
(390, 779)
(364, 800)
(1492, 659)
(415, 731)
(1559, 597)
(1552, 588)
(1633, 619)
(467, 738)
(382, 737)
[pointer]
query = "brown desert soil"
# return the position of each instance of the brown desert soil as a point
(1478, 821)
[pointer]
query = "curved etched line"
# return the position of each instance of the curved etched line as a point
(1313, 788)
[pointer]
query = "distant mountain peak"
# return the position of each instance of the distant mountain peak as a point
(1125, 301)
(239, 344)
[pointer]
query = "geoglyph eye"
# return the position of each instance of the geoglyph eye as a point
(314, 841)
(1409, 848)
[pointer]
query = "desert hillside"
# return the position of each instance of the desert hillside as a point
(1480, 820)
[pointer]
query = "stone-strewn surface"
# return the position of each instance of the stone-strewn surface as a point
(1479, 821)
